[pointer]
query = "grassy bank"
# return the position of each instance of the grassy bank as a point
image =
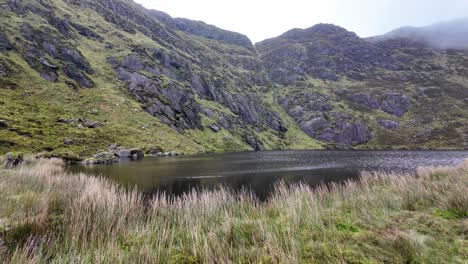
(47, 215)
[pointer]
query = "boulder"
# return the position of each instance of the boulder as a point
(395, 104)
(215, 128)
(365, 99)
(5, 44)
(208, 112)
(388, 124)
(13, 161)
(74, 73)
(46, 63)
(132, 63)
(91, 124)
(3, 124)
(101, 158)
(123, 153)
(137, 153)
(68, 141)
(50, 49)
(256, 144)
(154, 152)
(50, 76)
(75, 57)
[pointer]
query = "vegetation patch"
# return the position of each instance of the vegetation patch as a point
(48, 215)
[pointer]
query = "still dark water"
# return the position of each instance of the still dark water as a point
(260, 171)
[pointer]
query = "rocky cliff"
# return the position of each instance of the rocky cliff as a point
(78, 75)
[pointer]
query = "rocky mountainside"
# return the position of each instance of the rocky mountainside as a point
(79, 75)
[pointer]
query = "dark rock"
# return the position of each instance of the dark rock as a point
(109, 46)
(74, 73)
(27, 31)
(365, 99)
(155, 152)
(223, 123)
(256, 144)
(352, 133)
(173, 154)
(312, 127)
(132, 63)
(113, 61)
(46, 63)
(84, 31)
(214, 128)
(61, 25)
(208, 112)
(137, 153)
(67, 121)
(68, 141)
(13, 161)
(3, 124)
(395, 104)
(388, 124)
(49, 76)
(75, 57)
(92, 124)
(5, 44)
(50, 49)
(101, 158)
(123, 153)
(3, 70)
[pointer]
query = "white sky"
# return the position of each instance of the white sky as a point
(261, 19)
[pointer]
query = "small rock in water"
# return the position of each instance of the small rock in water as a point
(123, 153)
(137, 153)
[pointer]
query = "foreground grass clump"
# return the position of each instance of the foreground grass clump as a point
(48, 215)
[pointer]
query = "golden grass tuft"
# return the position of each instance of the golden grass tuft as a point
(49, 215)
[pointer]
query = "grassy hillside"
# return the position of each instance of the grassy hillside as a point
(78, 76)
(31, 106)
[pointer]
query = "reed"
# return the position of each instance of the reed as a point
(50, 216)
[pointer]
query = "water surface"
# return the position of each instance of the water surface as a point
(260, 171)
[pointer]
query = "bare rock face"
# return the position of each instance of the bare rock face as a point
(395, 104)
(75, 57)
(323, 51)
(365, 99)
(313, 112)
(5, 44)
(73, 72)
(388, 124)
(202, 29)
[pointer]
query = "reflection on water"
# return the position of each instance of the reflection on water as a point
(260, 171)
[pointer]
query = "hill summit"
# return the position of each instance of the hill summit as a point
(79, 75)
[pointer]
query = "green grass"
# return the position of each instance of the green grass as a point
(50, 216)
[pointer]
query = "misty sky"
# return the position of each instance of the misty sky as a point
(261, 19)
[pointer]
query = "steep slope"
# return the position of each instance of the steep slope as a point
(79, 75)
(388, 93)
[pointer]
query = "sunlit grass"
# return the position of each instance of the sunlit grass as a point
(49, 215)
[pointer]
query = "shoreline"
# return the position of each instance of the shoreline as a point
(48, 214)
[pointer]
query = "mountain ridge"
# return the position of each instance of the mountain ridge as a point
(109, 71)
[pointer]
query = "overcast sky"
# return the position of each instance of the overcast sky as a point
(261, 19)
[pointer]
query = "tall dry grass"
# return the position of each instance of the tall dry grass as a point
(49, 215)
